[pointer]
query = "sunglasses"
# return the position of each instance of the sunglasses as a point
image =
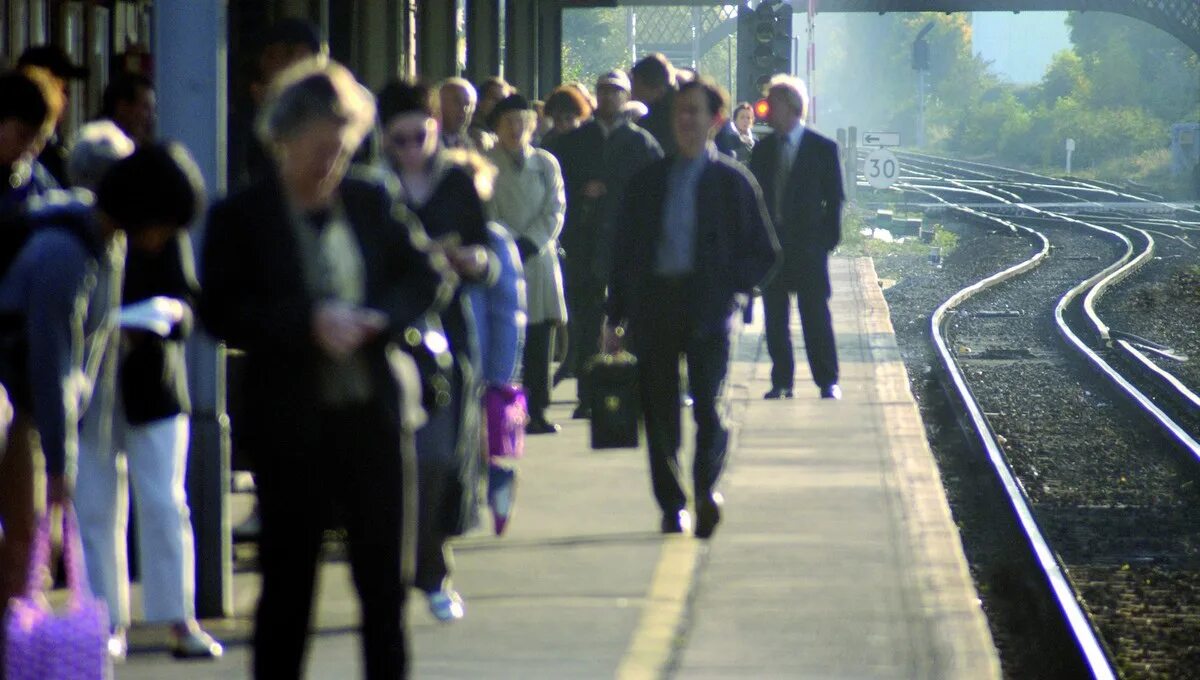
(402, 140)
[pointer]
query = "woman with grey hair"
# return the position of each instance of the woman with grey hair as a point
(313, 272)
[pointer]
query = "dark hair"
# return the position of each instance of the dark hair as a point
(742, 106)
(293, 31)
(718, 101)
(567, 99)
(654, 70)
(494, 81)
(24, 98)
(124, 88)
(159, 184)
(403, 96)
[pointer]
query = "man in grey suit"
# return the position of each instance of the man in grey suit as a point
(800, 175)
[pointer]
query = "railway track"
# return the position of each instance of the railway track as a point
(1080, 423)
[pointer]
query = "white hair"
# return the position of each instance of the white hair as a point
(793, 89)
(316, 88)
(462, 84)
(98, 146)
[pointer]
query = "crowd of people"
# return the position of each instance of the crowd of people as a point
(392, 265)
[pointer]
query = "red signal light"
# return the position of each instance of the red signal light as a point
(761, 109)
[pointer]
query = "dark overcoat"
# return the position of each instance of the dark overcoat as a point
(736, 249)
(810, 224)
(259, 276)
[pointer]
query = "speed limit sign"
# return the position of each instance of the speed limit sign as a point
(881, 168)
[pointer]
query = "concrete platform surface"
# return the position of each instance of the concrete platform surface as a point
(837, 557)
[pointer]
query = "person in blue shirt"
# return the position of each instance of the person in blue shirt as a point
(56, 322)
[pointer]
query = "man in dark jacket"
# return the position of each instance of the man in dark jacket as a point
(693, 233)
(801, 178)
(597, 161)
(654, 86)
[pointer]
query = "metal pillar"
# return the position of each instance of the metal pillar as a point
(549, 65)
(436, 40)
(520, 45)
(483, 39)
(190, 80)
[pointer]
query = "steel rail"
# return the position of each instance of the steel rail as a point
(1093, 654)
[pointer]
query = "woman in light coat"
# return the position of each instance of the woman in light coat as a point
(529, 201)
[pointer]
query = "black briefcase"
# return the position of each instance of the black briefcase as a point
(615, 405)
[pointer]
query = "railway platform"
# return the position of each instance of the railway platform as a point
(837, 556)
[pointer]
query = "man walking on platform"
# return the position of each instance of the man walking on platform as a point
(597, 161)
(654, 85)
(692, 233)
(802, 184)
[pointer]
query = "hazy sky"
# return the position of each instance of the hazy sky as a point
(1020, 45)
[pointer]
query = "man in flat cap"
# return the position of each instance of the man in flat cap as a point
(597, 161)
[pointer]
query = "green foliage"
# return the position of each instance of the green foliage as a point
(595, 41)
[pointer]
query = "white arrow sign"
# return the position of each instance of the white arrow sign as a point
(881, 168)
(879, 139)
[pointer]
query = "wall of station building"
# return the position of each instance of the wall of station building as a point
(375, 38)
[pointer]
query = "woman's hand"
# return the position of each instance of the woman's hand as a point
(339, 328)
(467, 261)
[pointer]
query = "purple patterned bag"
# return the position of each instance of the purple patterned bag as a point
(506, 413)
(44, 645)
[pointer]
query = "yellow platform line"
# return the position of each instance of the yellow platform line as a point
(655, 639)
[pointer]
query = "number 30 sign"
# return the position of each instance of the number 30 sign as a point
(881, 168)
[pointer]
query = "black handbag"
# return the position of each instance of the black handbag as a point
(430, 350)
(615, 404)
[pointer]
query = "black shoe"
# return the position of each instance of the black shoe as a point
(563, 373)
(708, 514)
(676, 522)
(541, 426)
(581, 412)
(831, 392)
(778, 393)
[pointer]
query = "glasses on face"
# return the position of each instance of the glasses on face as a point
(401, 140)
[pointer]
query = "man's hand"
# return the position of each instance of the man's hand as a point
(612, 339)
(58, 490)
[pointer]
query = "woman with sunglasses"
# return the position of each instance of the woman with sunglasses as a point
(449, 463)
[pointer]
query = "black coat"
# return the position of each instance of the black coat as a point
(658, 122)
(810, 226)
(736, 249)
(730, 143)
(153, 371)
(259, 295)
(585, 155)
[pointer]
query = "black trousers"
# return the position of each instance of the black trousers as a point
(819, 345)
(586, 314)
(353, 472)
(661, 337)
(535, 374)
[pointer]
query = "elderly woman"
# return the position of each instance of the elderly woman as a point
(529, 200)
(443, 195)
(313, 272)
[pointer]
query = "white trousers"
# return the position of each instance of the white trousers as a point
(154, 459)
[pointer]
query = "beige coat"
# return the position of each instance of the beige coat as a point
(530, 202)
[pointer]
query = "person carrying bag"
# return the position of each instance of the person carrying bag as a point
(70, 645)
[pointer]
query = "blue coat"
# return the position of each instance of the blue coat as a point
(499, 311)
